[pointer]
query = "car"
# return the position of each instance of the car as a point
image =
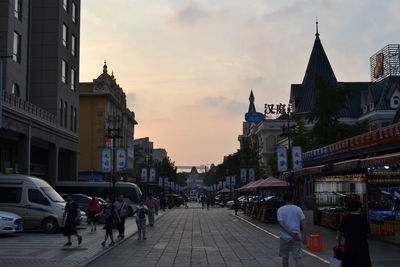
(10, 223)
(230, 204)
(82, 200)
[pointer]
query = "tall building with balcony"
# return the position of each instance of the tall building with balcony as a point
(39, 49)
(102, 105)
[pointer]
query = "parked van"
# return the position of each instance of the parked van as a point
(39, 205)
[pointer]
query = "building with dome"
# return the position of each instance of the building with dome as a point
(103, 111)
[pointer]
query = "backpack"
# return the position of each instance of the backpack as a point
(142, 213)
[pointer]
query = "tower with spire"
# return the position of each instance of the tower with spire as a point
(252, 108)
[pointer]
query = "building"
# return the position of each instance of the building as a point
(103, 112)
(159, 154)
(40, 97)
(144, 150)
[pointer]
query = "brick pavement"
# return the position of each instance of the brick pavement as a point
(196, 237)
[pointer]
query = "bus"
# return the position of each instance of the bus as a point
(131, 191)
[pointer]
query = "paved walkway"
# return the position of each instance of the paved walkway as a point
(197, 237)
(38, 249)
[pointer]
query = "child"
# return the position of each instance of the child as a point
(141, 210)
(110, 211)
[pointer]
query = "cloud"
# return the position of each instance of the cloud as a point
(230, 106)
(190, 14)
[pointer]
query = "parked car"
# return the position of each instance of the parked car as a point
(10, 223)
(83, 202)
(230, 204)
(39, 205)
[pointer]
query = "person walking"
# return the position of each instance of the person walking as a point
(185, 200)
(208, 201)
(141, 210)
(93, 210)
(73, 215)
(203, 200)
(163, 202)
(236, 205)
(110, 212)
(355, 229)
(122, 207)
(152, 205)
(290, 217)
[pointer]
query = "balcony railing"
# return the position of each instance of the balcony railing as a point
(28, 109)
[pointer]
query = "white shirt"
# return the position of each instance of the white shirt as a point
(137, 208)
(290, 216)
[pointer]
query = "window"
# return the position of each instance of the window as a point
(72, 119)
(65, 114)
(18, 9)
(371, 106)
(10, 194)
(15, 90)
(65, 35)
(365, 108)
(75, 121)
(35, 196)
(73, 44)
(64, 67)
(60, 107)
(395, 102)
(72, 79)
(65, 5)
(73, 12)
(17, 48)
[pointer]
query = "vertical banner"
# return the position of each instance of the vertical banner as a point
(106, 160)
(1, 89)
(152, 175)
(166, 184)
(252, 175)
(282, 159)
(297, 158)
(228, 181)
(144, 175)
(160, 182)
(121, 159)
(243, 175)
(172, 185)
(233, 180)
(223, 184)
(219, 184)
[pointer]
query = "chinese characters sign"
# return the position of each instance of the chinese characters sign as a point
(282, 159)
(252, 175)
(278, 109)
(152, 175)
(296, 158)
(144, 175)
(243, 175)
(106, 160)
(121, 159)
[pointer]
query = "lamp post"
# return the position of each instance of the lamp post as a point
(288, 131)
(147, 160)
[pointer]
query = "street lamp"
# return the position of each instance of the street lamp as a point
(288, 131)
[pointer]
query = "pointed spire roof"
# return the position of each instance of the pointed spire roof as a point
(252, 108)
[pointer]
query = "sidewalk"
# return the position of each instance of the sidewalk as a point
(382, 253)
(38, 249)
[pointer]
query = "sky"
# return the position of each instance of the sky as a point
(187, 66)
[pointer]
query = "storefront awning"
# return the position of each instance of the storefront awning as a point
(352, 164)
(310, 170)
(380, 161)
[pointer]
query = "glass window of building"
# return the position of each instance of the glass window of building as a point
(60, 107)
(17, 48)
(73, 44)
(71, 115)
(73, 12)
(65, 35)
(64, 71)
(75, 121)
(73, 79)
(65, 114)
(65, 5)
(18, 9)
(15, 90)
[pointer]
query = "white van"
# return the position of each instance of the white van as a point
(39, 205)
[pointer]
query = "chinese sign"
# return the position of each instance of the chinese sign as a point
(121, 159)
(342, 178)
(252, 175)
(282, 159)
(233, 180)
(228, 181)
(160, 182)
(278, 109)
(243, 175)
(296, 158)
(106, 159)
(152, 175)
(166, 184)
(144, 175)
(255, 117)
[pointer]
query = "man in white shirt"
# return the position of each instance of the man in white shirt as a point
(290, 217)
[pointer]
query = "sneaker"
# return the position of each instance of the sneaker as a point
(151, 225)
(144, 238)
(92, 230)
(103, 243)
(112, 243)
(79, 240)
(67, 244)
(139, 238)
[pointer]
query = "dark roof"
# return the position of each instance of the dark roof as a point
(353, 108)
(304, 95)
(252, 108)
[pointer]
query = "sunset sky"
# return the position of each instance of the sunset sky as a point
(187, 67)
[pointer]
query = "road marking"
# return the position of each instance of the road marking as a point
(277, 237)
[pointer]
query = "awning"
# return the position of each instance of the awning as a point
(380, 161)
(253, 187)
(225, 190)
(243, 188)
(352, 164)
(272, 183)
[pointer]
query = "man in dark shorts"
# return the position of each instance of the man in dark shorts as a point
(73, 214)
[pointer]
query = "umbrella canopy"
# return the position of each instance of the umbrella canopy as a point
(243, 188)
(253, 187)
(272, 183)
(225, 190)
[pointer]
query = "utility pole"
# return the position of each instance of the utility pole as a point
(288, 131)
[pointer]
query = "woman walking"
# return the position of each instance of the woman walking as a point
(94, 208)
(110, 211)
(141, 210)
(73, 214)
(355, 229)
